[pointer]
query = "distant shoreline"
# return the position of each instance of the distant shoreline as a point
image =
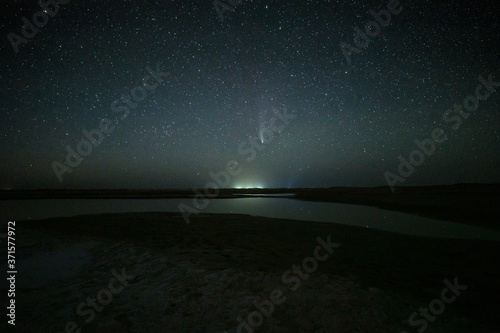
(474, 204)
(313, 194)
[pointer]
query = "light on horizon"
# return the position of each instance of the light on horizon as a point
(248, 186)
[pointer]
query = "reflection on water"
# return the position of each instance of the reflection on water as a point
(362, 216)
(277, 195)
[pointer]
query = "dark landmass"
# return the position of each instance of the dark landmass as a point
(475, 204)
(200, 277)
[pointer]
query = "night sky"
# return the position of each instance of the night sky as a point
(348, 122)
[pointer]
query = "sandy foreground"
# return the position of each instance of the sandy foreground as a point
(203, 276)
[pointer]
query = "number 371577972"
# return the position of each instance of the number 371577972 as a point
(222, 7)
(11, 246)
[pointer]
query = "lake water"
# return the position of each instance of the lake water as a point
(354, 215)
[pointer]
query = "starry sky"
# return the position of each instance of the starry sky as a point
(221, 82)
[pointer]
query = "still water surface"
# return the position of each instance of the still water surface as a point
(354, 215)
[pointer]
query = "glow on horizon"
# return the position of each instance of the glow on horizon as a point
(248, 186)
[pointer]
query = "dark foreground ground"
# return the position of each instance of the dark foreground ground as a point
(203, 276)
